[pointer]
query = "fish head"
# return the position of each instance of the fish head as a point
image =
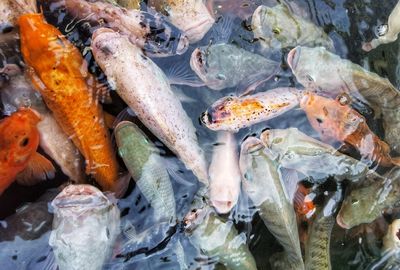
(359, 206)
(205, 62)
(222, 114)
(275, 27)
(19, 136)
(127, 133)
(316, 69)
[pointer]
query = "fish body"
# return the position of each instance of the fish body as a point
(145, 164)
(220, 240)
(387, 33)
(19, 140)
(335, 120)
(59, 73)
(18, 93)
(85, 226)
(317, 255)
(144, 87)
(277, 27)
(262, 182)
(222, 66)
(191, 16)
(150, 32)
(224, 173)
(295, 150)
(232, 113)
(10, 48)
(365, 203)
(322, 71)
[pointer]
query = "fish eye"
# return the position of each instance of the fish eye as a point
(24, 142)
(354, 201)
(276, 31)
(229, 99)
(221, 77)
(310, 78)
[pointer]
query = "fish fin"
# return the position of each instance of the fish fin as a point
(122, 185)
(302, 202)
(251, 83)
(290, 178)
(102, 93)
(181, 74)
(222, 30)
(109, 119)
(396, 161)
(38, 169)
(181, 96)
(125, 115)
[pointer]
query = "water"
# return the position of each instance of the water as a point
(24, 240)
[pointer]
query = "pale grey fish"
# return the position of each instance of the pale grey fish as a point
(232, 113)
(324, 72)
(391, 248)
(145, 88)
(10, 10)
(263, 182)
(222, 66)
(148, 169)
(191, 16)
(219, 240)
(295, 150)
(224, 173)
(86, 224)
(18, 92)
(367, 202)
(277, 27)
(151, 32)
(317, 254)
(387, 33)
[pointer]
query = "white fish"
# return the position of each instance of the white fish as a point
(145, 88)
(224, 173)
(85, 227)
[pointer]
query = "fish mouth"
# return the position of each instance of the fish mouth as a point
(265, 137)
(340, 222)
(256, 20)
(79, 196)
(206, 118)
(183, 45)
(196, 32)
(252, 144)
(293, 57)
(197, 62)
(222, 207)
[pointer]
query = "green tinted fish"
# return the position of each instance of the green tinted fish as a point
(262, 182)
(366, 203)
(145, 164)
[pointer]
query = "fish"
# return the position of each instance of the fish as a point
(318, 245)
(366, 202)
(232, 113)
(58, 71)
(10, 48)
(130, 4)
(336, 120)
(10, 10)
(326, 73)
(85, 226)
(223, 65)
(143, 160)
(225, 177)
(302, 201)
(145, 88)
(263, 182)
(295, 150)
(390, 258)
(17, 93)
(277, 27)
(19, 141)
(387, 33)
(151, 32)
(219, 240)
(190, 16)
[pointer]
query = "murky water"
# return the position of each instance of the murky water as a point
(25, 213)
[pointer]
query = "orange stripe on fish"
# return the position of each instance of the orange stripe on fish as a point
(302, 202)
(60, 74)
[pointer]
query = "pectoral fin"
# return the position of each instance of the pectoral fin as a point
(38, 169)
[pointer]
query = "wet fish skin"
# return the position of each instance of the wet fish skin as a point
(144, 87)
(365, 203)
(295, 150)
(324, 72)
(17, 93)
(145, 164)
(262, 182)
(223, 65)
(390, 250)
(232, 113)
(219, 240)
(153, 33)
(388, 32)
(277, 27)
(10, 10)
(224, 173)
(85, 226)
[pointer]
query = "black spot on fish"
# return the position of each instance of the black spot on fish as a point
(319, 120)
(106, 50)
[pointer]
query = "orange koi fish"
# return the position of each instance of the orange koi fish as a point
(60, 74)
(336, 120)
(302, 201)
(19, 140)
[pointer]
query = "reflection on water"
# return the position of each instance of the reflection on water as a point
(24, 234)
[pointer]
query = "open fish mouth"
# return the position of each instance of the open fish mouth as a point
(341, 223)
(293, 57)
(80, 196)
